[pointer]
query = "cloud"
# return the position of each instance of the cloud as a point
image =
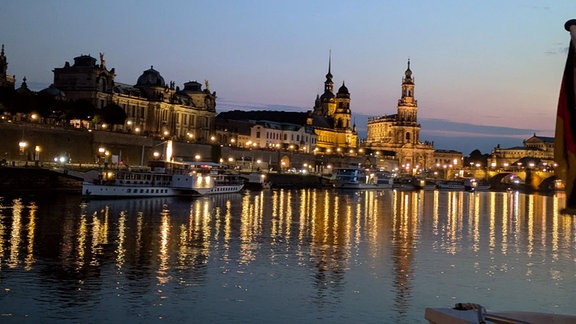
(445, 134)
(224, 105)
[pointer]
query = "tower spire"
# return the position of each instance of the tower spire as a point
(3, 63)
(329, 75)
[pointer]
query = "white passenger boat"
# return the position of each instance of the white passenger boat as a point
(163, 179)
(226, 183)
(355, 178)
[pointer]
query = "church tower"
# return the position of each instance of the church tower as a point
(408, 128)
(325, 104)
(331, 117)
(400, 133)
(407, 105)
(5, 79)
(3, 64)
(342, 113)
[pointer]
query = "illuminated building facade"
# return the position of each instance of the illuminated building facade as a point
(152, 106)
(325, 129)
(400, 133)
(266, 129)
(331, 118)
(536, 149)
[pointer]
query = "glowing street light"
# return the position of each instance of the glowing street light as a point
(22, 145)
(37, 151)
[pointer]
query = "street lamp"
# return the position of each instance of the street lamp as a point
(22, 145)
(37, 151)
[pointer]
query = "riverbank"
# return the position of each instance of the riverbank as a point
(35, 179)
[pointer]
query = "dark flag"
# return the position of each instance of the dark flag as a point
(565, 137)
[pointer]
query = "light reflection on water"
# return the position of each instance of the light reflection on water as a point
(284, 256)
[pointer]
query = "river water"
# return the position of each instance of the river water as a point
(283, 256)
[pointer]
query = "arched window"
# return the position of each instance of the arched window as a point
(407, 136)
(101, 85)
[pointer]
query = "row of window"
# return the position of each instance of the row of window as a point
(277, 136)
(144, 191)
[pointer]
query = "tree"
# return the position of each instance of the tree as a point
(113, 114)
(476, 157)
(7, 98)
(80, 109)
(45, 104)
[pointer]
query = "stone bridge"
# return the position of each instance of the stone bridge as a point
(529, 178)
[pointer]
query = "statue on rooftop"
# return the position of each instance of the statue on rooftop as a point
(102, 61)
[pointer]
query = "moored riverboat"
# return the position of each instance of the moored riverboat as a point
(257, 181)
(451, 185)
(163, 179)
(427, 184)
(355, 178)
(226, 183)
(405, 183)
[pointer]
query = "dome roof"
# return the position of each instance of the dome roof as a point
(327, 96)
(408, 72)
(343, 89)
(84, 60)
(152, 78)
(192, 86)
(53, 91)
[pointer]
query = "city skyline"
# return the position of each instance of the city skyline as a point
(493, 65)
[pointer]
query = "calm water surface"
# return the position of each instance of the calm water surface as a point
(283, 256)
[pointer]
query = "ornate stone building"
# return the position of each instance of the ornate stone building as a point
(536, 149)
(400, 133)
(152, 106)
(6, 81)
(331, 118)
(274, 130)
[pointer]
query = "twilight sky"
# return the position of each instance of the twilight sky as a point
(484, 70)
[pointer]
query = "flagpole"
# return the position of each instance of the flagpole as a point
(570, 26)
(565, 134)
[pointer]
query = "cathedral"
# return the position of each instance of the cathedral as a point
(399, 134)
(152, 106)
(325, 129)
(332, 123)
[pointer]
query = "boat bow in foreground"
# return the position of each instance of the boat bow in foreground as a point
(474, 313)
